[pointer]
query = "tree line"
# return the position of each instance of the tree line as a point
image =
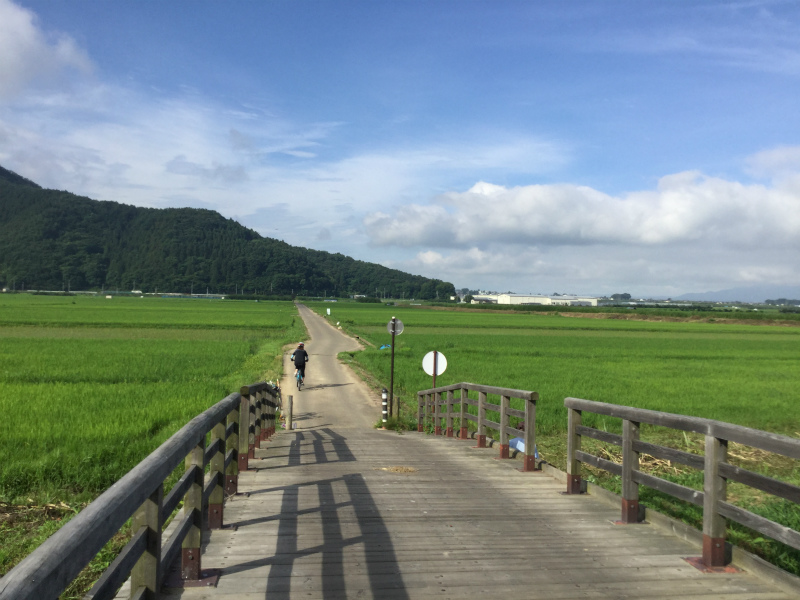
(56, 240)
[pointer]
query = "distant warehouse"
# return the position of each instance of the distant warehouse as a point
(540, 300)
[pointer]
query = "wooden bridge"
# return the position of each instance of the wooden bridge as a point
(338, 509)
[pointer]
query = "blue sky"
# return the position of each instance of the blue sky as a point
(567, 146)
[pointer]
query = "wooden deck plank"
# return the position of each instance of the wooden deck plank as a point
(321, 517)
(332, 530)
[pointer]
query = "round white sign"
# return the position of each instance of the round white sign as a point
(427, 363)
(398, 327)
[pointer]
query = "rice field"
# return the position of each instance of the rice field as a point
(743, 374)
(90, 386)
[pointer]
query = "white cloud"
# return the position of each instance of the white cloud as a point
(685, 208)
(646, 271)
(691, 232)
(775, 163)
(29, 56)
(228, 174)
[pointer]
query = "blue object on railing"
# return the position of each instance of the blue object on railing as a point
(518, 444)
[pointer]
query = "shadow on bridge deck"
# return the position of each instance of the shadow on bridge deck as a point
(381, 515)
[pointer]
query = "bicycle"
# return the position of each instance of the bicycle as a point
(299, 379)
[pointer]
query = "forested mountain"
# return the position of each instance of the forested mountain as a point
(53, 240)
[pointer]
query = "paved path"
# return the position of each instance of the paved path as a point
(337, 509)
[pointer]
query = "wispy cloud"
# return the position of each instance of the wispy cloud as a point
(775, 163)
(30, 56)
(756, 36)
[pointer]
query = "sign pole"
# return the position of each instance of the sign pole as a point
(435, 365)
(391, 376)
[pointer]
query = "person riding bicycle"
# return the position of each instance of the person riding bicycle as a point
(300, 358)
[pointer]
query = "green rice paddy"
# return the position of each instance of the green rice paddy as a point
(90, 386)
(743, 374)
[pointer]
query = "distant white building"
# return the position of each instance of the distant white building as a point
(535, 299)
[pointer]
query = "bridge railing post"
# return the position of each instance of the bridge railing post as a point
(481, 435)
(278, 406)
(193, 505)
(232, 446)
(429, 409)
(258, 420)
(529, 463)
(714, 492)
(573, 446)
(449, 419)
(217, 498)
(276, 403)
(244, 431)
(269, 398)
(463, 432)
(269, 403)
(272, 410)
(504, 405)
(420, 412)
(253, 423)
(289, 411)
(266, 416)
(146, 573)
(630, 464)
(437, 413)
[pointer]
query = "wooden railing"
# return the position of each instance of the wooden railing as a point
(716, 470)
(237, 424)
(437, 404)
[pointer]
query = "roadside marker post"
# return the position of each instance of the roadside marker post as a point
(395, 327)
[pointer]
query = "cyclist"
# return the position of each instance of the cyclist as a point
(300, 358)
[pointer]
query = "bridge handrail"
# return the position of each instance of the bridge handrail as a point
(139, 494)
(430, 403)
(716, 470)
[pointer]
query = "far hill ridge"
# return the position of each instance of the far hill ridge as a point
(56, 240)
